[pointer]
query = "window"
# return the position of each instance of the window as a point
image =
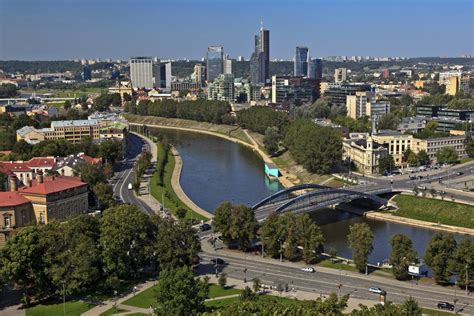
(6, 221)
(41, 218)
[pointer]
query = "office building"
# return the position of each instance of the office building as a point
(86, 73)
(432, 145)
(301, 62)
(338, 92)
(260, 59)
(222, 88)
(315, 69)
(185, 86)
(163, 76)
(214, 62)
(374, 109)
(141, 72)
(364, 153)
(199, 74)
(427, 110)
(395, 142)
(296, 90)
(411, 125)
(340, 75)
(356, 105)
(227, 65)
(457, 84)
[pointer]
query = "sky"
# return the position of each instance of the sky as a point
(172, 29)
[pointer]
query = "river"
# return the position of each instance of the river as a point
(217, 170)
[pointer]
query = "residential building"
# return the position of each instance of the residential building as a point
(340, 75)
(432, 145)
(294, 89)
(260, 59)
(122, 88)
(445, 78)
(376, 109)
(70, 165)
(222, 89)
(199, 74)
(214, 62)
(183, 86)
(301, 62)
(456, 84)
(396, 143)
(364, 153)
(338, 92)
(142, 72)
(227, 65)
(356, 104)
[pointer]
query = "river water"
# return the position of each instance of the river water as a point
(217, 170)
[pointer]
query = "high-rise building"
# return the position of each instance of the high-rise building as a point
(86, 73)
(227, 65)
(301, 62)
(199, 74)
(363, 104)
(340, 74)
(260, 60)
(163, 76)
(287, 89)
(214, 62)
(318, 68)
(141, 72)
(222, 88)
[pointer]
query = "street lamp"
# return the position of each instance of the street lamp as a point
(281, 250)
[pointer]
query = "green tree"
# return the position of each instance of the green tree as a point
(386, 163)
(423, 158)
(247, 295)
(271, 232)
(125, 235)
(256, 284)
(402, 255)
(388, 121)
(222, 280)
(320, 109)
(181, 213)
(23, 149)
(271, 140)
(469, 143)
(67, 105)
(311, 237)
(413, 159)
(447, 155)
(179, 293)
(410, 307)
(360, 241)
(104, 193)
(463, 260)
(111, 150)
(439, 254)
(91, 174)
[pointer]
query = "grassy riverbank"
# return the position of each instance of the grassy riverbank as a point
(166, 191)
(435, 211)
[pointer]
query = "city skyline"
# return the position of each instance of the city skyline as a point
(163, 29)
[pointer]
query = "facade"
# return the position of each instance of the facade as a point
(183, 86)
(163, 76)
(315, 70)
(260, 59)
(86, 73)
(395, 142)
(141, 72)
(428, 110)
(214, 62)
(411, 124)
(222, 89)
(287, 89)
(340, 75)
(456, 84)
(199, 74)
(301, 62)
(364, 153)
(73, 131)
(432, 145)
(356, 105)
(377, 109)
(227, 65)
(338, 92)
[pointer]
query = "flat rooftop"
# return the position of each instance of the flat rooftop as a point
(74, 123)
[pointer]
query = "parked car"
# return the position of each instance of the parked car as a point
(308, 269)
(205, 227)
(445, 305)
(217, 261)
(460, 173)
(376, 290)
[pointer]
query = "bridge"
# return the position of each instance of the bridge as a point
(305, 198)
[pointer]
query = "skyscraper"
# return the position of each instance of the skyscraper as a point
(163, 76)
(227, 65)
(301, 62)
(214, 62)
(260, 60)
(86, 73)
(141, 72)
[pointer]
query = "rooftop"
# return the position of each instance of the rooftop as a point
(12, 199)
(55, 124)
(53, 184)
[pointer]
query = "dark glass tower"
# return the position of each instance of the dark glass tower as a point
(215, 62)
(260, 60)
(301, 62)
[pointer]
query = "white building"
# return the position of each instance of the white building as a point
(141, 72)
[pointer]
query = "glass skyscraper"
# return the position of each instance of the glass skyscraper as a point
(215, 62)
(260, 60)
(301, 62)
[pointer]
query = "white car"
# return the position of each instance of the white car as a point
(376, 290)
(130, 186)
(308, 269)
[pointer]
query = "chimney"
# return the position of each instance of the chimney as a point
(53, 178)
(13, 183)
(39, 177)
(62, 172)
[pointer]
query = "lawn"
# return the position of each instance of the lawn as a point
(435, 211)
(144, 299)
(217, 291)
(336, 265)
(113, 310)
(66, 93)
(435, 312)
(72, 308)
(216, 304)
(171, 201)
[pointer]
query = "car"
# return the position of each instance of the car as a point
(445, 305)
(130, 186)
(205, 227)
(376, 290)
(460, 173)
(217, 261)
(308, 269)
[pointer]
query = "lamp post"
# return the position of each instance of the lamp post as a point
(281, 250)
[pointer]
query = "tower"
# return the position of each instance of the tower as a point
(260, 59)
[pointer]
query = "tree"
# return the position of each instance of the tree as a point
(311, 237)
(439, 254)
(388, 121)
(406, 154)
(386, 163)
(91, 174)
(237, 224)
(181, 213)
(320, 109)
(256, 285)
(271, 140)
(413, 159)
(271, 232)
(469, 143)
(179, 293)
(423, 158)
(463, 258)
(125, 234)
(402, 255)
(23, 149)
(222, 280)
(111, 150)
(67, 105)
(360, 241)
(104, 193)
(247, 295)
(127, 97)
(447, 155)
(410, 307)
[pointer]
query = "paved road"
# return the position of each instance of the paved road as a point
(325, 281)
(125, 174)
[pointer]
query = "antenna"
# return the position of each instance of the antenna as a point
(261, 24)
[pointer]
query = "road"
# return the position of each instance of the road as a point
(325, 281)
(125, 174)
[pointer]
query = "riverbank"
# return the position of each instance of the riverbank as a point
(231, 133)
(429, 213)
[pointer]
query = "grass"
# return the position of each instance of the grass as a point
(72, 308)
(65, 93)
(464, 160)
(435, 312)
(143, 299)
(113, 310)
(336, 265)
(216, 304)
(435, 211)
(171, 200)
(226, 130)
(217, 291)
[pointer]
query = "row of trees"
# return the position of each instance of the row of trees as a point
(161, 160)
(217, 112)
(89, 252)
(142, 164)
(259, 118)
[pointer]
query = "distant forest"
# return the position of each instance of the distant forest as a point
(240, 68)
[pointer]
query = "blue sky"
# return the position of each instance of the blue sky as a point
(68, 29)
